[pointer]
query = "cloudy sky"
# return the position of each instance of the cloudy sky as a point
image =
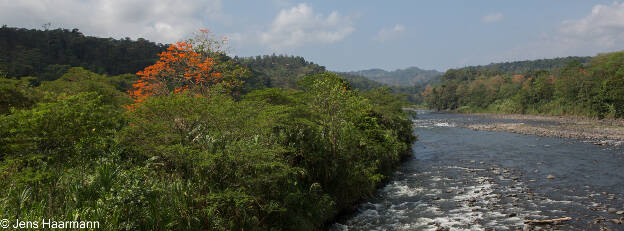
(351, 35)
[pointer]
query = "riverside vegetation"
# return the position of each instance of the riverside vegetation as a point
(187, 145)
(590, 87)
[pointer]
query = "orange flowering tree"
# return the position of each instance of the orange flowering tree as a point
(179, 69)
(187, 67)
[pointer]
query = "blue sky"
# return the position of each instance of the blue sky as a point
(352, 35)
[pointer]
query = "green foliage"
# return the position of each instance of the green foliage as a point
(37, 140)
(279, 71)
(271, 159)
(78, 80)
(276, 159)
(581, 87)
(520, 67)
(612, 97)
(14, 94)
(48, 53)
(359, 82)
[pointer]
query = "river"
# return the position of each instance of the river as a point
(461, 179)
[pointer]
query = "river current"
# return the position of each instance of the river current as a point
(461, 179)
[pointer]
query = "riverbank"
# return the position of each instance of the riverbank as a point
(599, 132)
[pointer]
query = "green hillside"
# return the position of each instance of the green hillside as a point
(563, 86)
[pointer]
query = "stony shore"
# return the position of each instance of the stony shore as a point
(599, 132)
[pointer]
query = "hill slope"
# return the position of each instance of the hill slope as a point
(586, 86)
(519, 67)
(49, 53)
(282, 71)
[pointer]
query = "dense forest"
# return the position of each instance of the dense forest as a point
(592, 87)
(521, 67)
(47, 54)
(185, 143)
(284, 71)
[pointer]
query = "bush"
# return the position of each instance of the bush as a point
(229, 151)
(78, 80)
(15, 94)
(276, 159)
(56, 134)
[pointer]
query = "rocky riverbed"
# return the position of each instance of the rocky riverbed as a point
(599, 132)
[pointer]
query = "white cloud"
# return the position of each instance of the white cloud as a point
(386, 34)
(163, 21)
(492, 18)
(602, 30)
(300, 25)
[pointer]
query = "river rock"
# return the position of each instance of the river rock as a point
(526, 227)
(550, 177)
(620, 212)
(611, 210)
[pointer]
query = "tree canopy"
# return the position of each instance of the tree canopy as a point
(582, 86)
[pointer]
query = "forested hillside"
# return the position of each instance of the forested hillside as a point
(400, 78)
(284, 71)
(47, 54)
(565, 86)
(520, 67)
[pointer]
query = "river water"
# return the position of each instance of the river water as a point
(461, 179)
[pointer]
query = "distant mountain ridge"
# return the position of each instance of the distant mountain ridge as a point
(282, 71)
(401, 77)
